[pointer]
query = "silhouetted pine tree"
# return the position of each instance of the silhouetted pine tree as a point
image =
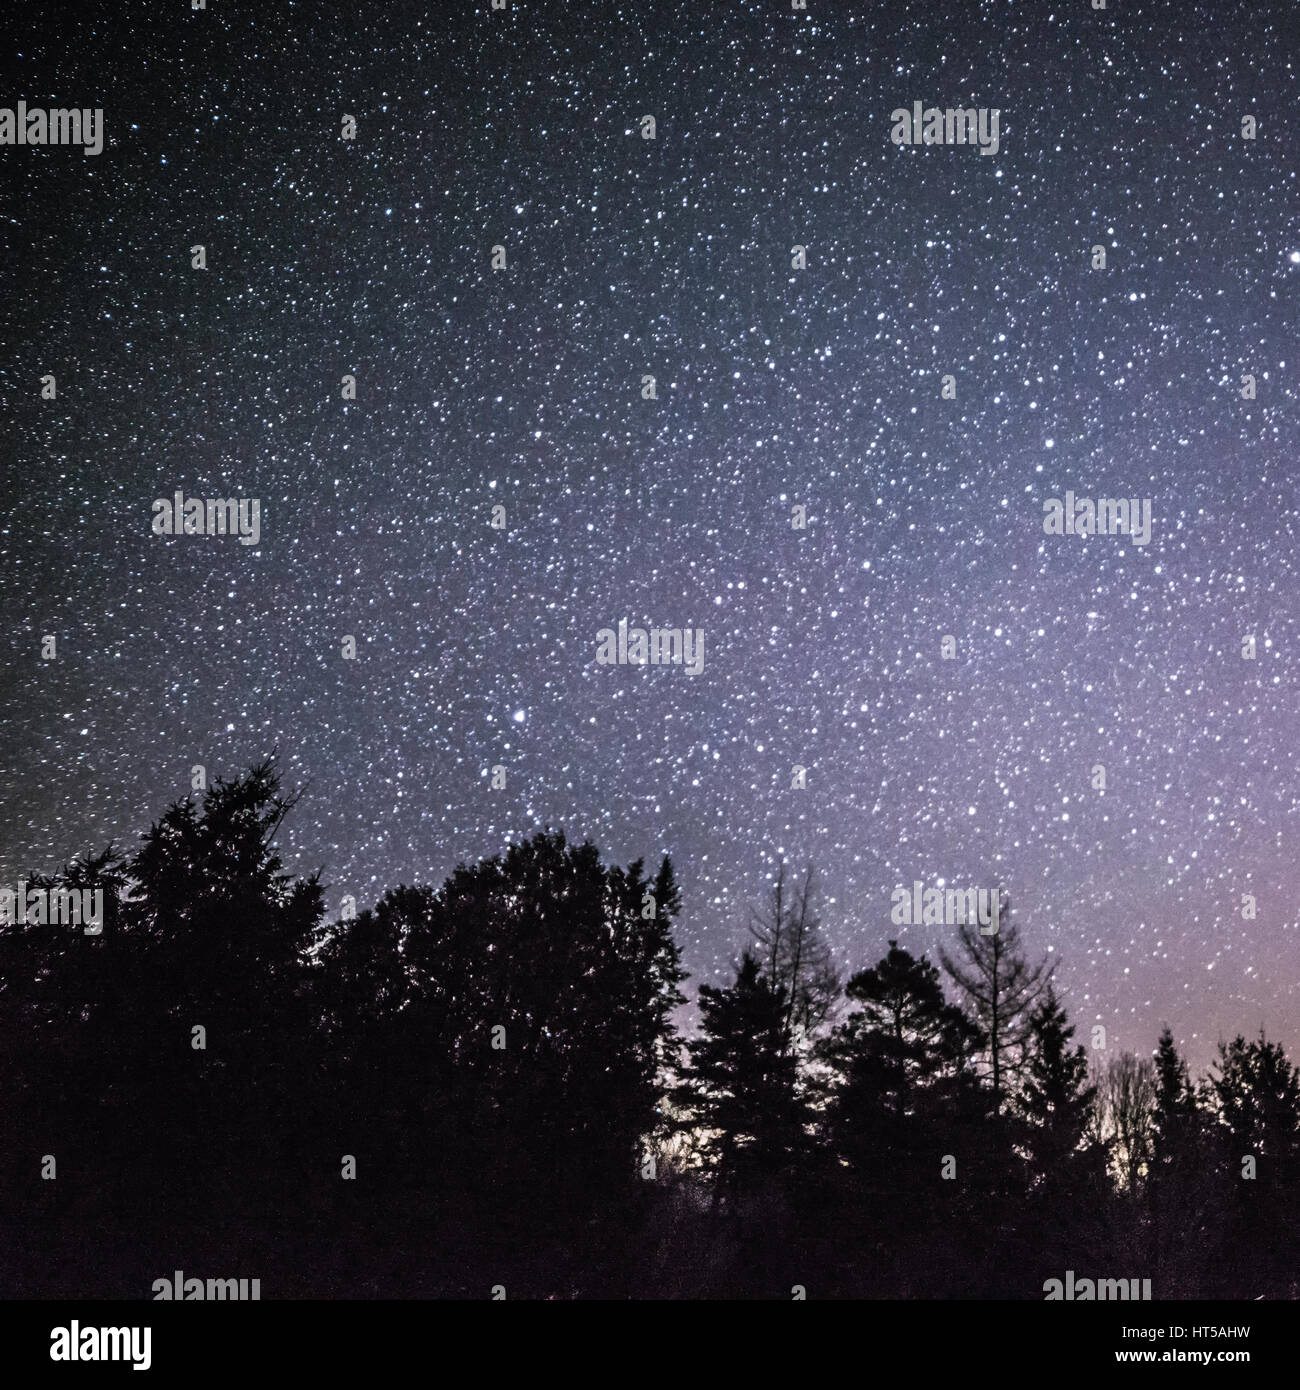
(219, 933)
(740, 1085)
(1068, 1187)
(900, 1114)
(1182, 1190)
(1255, 1093)
(899, 1054)
(181, 1034)
(1175, 1102)
(1056, 1099)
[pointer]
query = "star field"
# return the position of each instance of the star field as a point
(776, 387)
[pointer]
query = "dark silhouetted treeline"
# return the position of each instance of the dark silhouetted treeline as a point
(481, 1086)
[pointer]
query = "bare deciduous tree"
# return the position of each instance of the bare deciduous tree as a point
(1124, 1113)
(1001, 989)
(795, 955)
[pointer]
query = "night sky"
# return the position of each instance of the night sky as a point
(776, 387)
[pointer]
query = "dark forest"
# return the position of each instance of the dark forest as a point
(484, 1089)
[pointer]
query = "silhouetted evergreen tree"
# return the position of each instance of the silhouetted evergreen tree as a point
(903, 1100)
(180, 1035)
(1255, 1093)
(1183, 1188)
(900, 1051)
(219, 933)
(1068, 1188)
(1175, 1116)
(741, 1084)
(1056, 1099)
